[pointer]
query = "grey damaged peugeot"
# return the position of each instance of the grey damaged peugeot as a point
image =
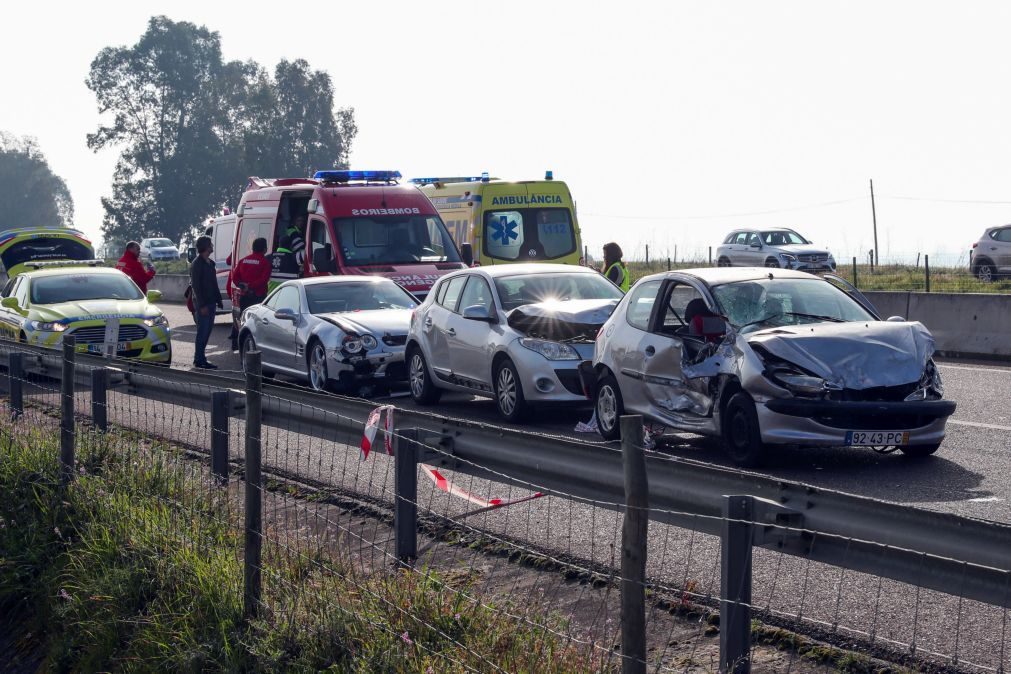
(762, 357)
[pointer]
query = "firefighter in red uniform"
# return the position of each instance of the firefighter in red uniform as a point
(248, 280)
(131, 265)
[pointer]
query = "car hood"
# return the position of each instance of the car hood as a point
(94, 310)
(856, 355)
(802, 249)
(378, 322)
(164, 249)
(570, 319)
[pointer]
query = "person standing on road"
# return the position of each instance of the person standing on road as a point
(130, 264)
(614, 267)
(206, 299)
(249, 279)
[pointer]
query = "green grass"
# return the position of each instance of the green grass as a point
(137, 567)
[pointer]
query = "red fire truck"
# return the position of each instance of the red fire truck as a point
(358, 222)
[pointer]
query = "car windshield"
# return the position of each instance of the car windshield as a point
(782, 238)
(765, 303)
(516, 291)
(394, 239)
(160, 243)
(45, 248)
(325, 298)
(78, 287)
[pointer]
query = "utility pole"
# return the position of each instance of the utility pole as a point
(874, 216)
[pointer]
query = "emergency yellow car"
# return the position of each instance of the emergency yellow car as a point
(102, 308)
(23, 245)
(499, 221)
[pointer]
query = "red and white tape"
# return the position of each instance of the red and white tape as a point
(372, 427)
(445, 484)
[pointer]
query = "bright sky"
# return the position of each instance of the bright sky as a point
(668, 120)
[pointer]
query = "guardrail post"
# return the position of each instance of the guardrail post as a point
(254, 488)
(219, 436)
(16, 375)
(405, 513)
(855, 272)
(633, 548)
(99, 398)
(926, 270)
(67, 411)
(735, 585)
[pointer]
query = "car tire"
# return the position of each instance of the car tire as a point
(742, 437)
(319, 373)
(723, 262)
(423, 390)
(772, 263)
(608, 407)
(920, 451)
(509, 399)
(247, 344)
(986, 272)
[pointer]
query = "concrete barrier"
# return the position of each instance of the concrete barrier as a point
(172, 286)
(963, 324)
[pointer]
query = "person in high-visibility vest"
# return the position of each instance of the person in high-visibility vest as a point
(614, 268)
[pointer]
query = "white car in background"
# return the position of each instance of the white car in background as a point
(991, 255)
(775, 247)
(517, 333)
(158, 249)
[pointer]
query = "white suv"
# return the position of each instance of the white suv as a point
(991, 255)
(774, 247)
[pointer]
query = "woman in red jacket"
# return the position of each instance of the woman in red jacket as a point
(131, 265)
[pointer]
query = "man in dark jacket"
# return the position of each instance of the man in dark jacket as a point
(206, 299)
(131, 265)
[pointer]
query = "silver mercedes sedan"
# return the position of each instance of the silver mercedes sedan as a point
(337, 332)
(762, 357)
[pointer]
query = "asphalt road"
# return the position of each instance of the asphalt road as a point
(969, 475)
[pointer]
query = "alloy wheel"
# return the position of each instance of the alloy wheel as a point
(607, 407)
(506, 390)
(417, 375)
(317, 367)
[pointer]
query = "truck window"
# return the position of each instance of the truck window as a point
(529, 234)
(223, 237)
(395, 239)
(250, 229)
(319, 238)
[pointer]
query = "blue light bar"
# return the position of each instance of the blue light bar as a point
(348, 176)
(453, 179)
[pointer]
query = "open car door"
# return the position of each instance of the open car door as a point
(851, 290)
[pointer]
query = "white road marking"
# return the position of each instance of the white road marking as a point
(977, 424)
(973, 369)
(984, 499)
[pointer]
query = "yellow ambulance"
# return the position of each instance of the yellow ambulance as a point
(497, 221)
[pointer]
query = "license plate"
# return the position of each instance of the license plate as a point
(876, 438)
(100, 348)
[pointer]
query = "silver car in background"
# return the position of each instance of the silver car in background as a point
(158, 249)
(517, 333)
(337, 332)
(991, 255)
(776, 247)
(759, 357)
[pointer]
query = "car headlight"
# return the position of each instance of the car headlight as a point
(787, 257)
(550, 350)
(931, 387)
(369, 342)
(351, 344)
(157, 321)
(798, 382)
(46, 326)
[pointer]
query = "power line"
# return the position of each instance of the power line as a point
(946, 201)
(725, 215)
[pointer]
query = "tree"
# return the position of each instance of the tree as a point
(194, 127)
(30, 193)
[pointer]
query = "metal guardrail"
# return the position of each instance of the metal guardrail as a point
(956, 555)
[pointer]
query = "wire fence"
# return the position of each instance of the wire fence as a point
(419, 560)
(902, 272)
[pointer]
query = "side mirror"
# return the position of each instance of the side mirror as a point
(756, 244)
(479, 312)
(467, 254)
(895, 319)
(10, 303)
(153, 295)
(286, 315)
(191, 254)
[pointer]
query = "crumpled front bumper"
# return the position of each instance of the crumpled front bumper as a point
(824, 422)
(380, 363)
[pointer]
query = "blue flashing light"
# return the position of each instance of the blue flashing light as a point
(549, 175)
(484, 176)
(453, 179)
(348, 176)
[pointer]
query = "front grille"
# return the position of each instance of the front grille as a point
(571, 381)
(96, 334)
(813, 258)
(394, 340)
(875, 422)
(131, 353)
(877, 394)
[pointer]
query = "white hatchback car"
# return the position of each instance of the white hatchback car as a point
(517, 333)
